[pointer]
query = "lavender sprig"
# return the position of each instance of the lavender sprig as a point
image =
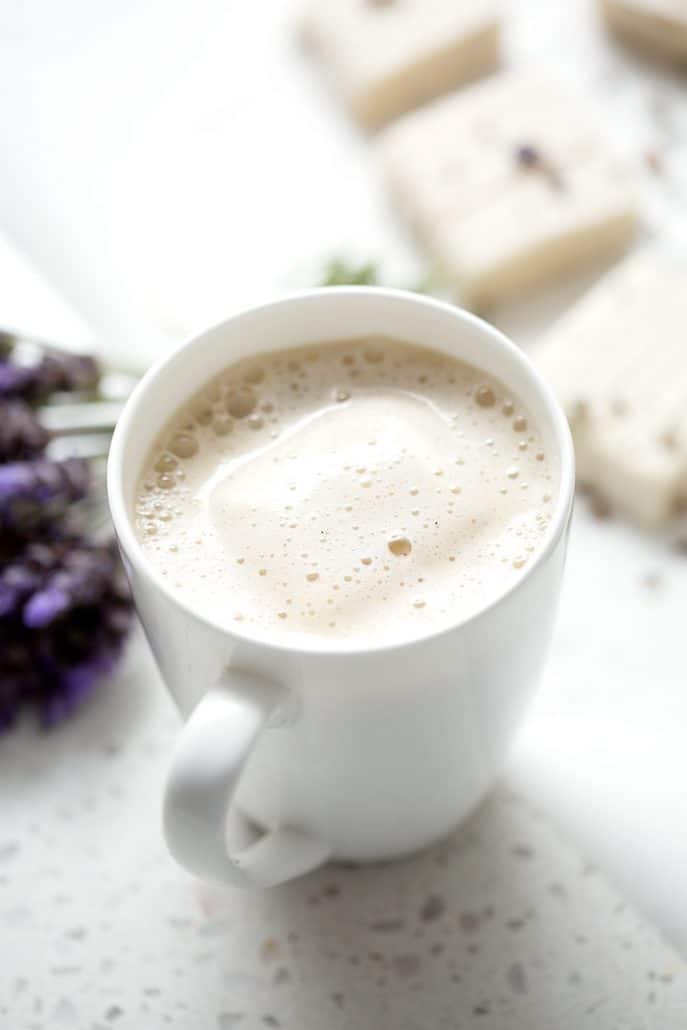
(54, 650)
(66, 372)
(82, 578)
(21, 434)
(35, 495)
(65, 608)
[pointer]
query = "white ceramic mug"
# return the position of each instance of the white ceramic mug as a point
(292, 753)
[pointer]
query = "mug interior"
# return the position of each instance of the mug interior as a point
(318, 317)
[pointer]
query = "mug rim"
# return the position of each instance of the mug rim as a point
(302, 643)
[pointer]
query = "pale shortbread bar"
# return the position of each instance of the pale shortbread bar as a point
(618, 362)
(386, 57)
(658, 26)
(508, 187)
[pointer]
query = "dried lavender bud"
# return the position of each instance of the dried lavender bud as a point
(51, 374)
(35, 495)
(81, 580)
(15, 380)
(17, 583)
(55, 661)
(57, 669)
(528, 156)
(21, 434)
(72, 372)
(532, 159)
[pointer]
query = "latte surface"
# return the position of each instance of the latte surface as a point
(366, 489)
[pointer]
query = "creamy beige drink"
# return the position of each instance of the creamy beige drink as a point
(365, 489)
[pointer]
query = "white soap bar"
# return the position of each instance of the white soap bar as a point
(508, 187)
(618, 362)
(656, 25)
(386, 57)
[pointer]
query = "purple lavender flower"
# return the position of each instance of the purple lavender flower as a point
(15, 380)
(51, 374)
(65, 609)
(17, 583)
(34, 495)
(81, 580)
(21, 434)
(59, 634)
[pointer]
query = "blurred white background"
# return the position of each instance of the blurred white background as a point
(165, 162)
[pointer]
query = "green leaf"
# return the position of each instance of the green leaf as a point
(340, 272)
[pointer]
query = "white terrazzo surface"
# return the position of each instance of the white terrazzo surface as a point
(502, 927)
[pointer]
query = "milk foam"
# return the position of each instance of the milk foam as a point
(366, 488)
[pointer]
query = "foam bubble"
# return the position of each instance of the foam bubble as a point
(166, 462)
(202, 412)
(183, 445)
(254, 375)
(373, 355)
(400, 546)
(241, 402)
(222, 424)
(485, 397)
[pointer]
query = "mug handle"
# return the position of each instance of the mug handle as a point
(204, 830)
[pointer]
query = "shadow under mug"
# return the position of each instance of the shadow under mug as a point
(297, 750)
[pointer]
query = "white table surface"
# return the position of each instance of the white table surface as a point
(502, 927)
(164, 166)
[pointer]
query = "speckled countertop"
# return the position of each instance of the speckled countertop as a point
(502, 927)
